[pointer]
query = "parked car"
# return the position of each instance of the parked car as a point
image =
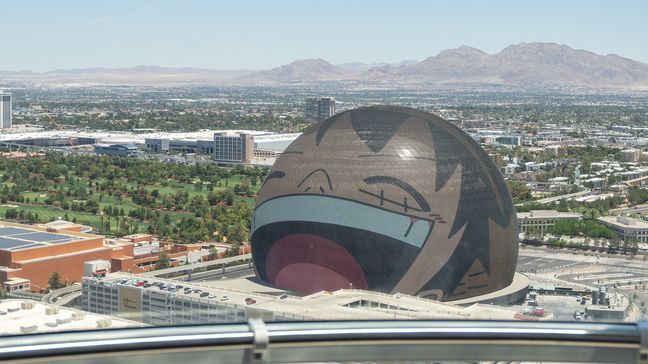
(204, 294)
(224, 298)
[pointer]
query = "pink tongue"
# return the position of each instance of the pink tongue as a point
(309, 263)
(323, 279)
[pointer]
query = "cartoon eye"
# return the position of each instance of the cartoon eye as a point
(420, 204)
(385, 199)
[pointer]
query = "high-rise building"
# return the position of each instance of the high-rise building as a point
(320, 108)
(236, 148)
(5, 111)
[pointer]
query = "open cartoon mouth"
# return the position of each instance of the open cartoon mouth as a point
(311, 243)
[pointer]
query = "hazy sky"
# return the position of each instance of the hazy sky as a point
(46, 35)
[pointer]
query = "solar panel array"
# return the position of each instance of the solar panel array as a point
(12, 238)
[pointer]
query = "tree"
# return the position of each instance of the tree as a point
(519, 191)
(228, 197)
(164, 261)
(54, 281)
(241, 189)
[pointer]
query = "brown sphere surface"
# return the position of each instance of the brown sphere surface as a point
(389, 199)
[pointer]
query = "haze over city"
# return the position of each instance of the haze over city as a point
(260, 35)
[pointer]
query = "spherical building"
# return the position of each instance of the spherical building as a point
(388, 199)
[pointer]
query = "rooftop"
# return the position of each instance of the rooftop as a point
(350, 304)
(548, 214)
(27, 316)
(61, 225)
(623, 221)
(14, 238)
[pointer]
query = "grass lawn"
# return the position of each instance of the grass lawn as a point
(48, 213)
(34, 196)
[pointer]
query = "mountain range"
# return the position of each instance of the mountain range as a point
(524, 64)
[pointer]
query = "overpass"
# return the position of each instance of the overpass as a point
(637, 181)
(548, 200)
(67, 294)
(626, 210)
(63, 296)
(191, 267)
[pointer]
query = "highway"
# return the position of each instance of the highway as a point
(558, 198)
(626, 210)
(236, 271)
(190, 267)
(64, 295)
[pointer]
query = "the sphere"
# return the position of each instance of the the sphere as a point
(388, 199)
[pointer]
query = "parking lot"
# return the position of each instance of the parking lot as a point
(618, 273)
(170, 287)
(533, 264)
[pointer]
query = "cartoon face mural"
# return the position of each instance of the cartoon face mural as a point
(388, 199)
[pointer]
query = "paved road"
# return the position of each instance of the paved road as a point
(184, 268)
(217, 274)
(606, 271)
(617, 273)
(626, 210)
(538, 264)
(558, 198)
(59, 294)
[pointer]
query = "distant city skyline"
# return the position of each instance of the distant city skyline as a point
(44, 35)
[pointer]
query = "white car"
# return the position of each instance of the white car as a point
(212, 296)
(224, 298)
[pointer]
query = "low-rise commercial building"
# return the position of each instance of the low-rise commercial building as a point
(630, 155)
(118, 150)
(32, 317)
(512, 140)
(627, 228)
(225, 147)
(179, 146)
(177, 303)
(509, 169)
(29, 254)
(541, 220)
(594, 182)
(54, 141)
(228, 147)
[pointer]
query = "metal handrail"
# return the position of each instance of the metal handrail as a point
(357, 340)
